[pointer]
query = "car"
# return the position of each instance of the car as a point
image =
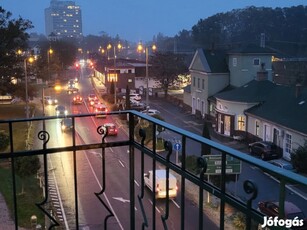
(282, 164)
(94, 102)
(111, 127)
(91, 97)
(271, 209)
(134, 96)
(66, 124)
(77, 100)
(48, 100)
(101, 110)
(71, 90)
(151, 112)
(72, 83)
(264, 149)
(61, 110)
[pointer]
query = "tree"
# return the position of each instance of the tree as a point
(13, 37)
(299, 158)
(25, 167)
(166, 67)
(206, 149)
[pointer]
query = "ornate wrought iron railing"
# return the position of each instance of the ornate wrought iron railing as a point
(142, 135)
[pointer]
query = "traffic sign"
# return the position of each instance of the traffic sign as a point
(214, 165)
(177, 146)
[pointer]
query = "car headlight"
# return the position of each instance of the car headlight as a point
(55, 101)
(65, 112)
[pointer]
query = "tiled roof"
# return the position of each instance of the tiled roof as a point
(251, 49)
(254, 91)
(283, 107)
(217, 60)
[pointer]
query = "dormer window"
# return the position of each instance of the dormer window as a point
(256, 61)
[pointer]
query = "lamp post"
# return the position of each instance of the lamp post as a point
(119, 46)
(140, 48)
(30, 59)
(49, 52)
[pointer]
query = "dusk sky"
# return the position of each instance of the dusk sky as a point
(138, 20)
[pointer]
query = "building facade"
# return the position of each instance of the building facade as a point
(63, 19)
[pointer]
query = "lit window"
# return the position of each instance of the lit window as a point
(241, 123)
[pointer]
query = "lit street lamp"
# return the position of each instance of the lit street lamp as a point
(30, 60)
(49, 52)
(140, 48)
(114, 78)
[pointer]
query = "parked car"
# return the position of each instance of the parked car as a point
(48, 100)
(271, 209)
(264, 149)
(111, 127)
(66, 124)
(134, 96)
(61, 110)
(77, 100)
(151, 112)
(283, 164)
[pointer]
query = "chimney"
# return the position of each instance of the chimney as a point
(298, 87)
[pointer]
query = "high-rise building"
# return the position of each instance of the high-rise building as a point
(63, 19)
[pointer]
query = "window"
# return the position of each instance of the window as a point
(194, 81)
(256, 61)
(257, 128)
(288, 143)
(198, 82)
(234, 62)
(241, 123)
(203, 84)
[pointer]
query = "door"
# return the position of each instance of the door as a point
(267, 133)
(227, 125)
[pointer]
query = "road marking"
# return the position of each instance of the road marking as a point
(59, 195)
(175, 203)
(155, 207)
(104, 194)
(121, 199)
(121, 163)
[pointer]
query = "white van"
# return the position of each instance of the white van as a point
(160, 186)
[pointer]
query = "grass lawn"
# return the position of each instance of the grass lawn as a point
(33, 193)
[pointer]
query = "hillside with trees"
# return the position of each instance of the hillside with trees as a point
(285, 31)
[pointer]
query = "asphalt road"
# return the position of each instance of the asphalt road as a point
(91, 212)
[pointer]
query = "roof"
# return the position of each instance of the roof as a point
(217, 60)
(251, 49)
(283, 107)
(253, 91)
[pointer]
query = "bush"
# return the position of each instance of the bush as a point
(299, 158)
(4, 140)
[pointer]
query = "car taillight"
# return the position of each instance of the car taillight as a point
(106, 110)
(115, 130)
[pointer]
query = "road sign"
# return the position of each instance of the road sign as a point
(177, 146)
(214, 165)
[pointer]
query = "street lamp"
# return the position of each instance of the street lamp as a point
(30, 60)
(141, 48)
(49, 52)
(119, 47)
